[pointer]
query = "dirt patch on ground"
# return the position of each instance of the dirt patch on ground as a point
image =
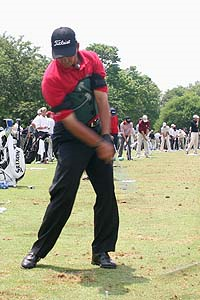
(72, 277)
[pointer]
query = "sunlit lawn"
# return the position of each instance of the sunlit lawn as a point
(158, 248)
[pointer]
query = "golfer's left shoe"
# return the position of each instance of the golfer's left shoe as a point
(103, 260)
(30, 261)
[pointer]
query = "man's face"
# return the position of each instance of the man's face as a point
(69, 61)
(43, 113)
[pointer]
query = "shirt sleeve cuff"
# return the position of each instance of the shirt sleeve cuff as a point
(62, 114)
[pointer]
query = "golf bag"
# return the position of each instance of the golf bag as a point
(30, 145)
(12, 163)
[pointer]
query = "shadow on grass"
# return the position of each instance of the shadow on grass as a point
(113, 282)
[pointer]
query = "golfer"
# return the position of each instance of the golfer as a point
(143, 131)
(126, 131)
(75, 88)
(194, 131)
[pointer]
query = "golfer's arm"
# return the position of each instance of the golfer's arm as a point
(81, 131)
(104, 110)
(143, 134)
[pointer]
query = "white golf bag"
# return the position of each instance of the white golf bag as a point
(12, 162)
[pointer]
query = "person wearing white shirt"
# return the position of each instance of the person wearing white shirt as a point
(172, 135)
(51, 124)
(41, 124)
(165, 137)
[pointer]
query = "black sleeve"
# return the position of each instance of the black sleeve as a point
(97, 81)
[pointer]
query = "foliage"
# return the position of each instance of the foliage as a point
(130, 92)
(177, 91)
(181, 105)
(107, 54)
(21, 70)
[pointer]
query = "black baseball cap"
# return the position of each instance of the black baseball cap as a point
(127, 118)
(113, 111)
(63, 42)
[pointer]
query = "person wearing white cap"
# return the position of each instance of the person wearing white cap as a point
(40, 124)
(165, 142)
(143, 131)
(194, 131)
(172, 136)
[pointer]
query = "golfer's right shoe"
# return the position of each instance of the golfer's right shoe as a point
(30, 261)
(103, 260)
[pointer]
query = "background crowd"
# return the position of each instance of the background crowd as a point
(131, 138)
(137, 137)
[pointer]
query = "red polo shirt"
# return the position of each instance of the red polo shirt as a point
(143, 126)
(59, 81)
(114, 127)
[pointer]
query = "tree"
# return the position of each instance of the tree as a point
(179, 109)
(130, 92)
(177, 91)
(21, 71)
(22, 68)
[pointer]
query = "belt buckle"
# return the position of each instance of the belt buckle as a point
(94, 123)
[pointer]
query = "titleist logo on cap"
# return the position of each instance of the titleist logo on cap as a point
(61, 43)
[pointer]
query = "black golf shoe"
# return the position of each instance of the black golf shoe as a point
(103, 260)
(30, 261)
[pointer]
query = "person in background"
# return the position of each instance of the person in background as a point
(165, 142)
(157, 140)
(51, 124)
(16, 132)
(181, 138)
(114, 128)
(74, 87)
(41, 125)
(172, 136)
(176, 142)
(126, 131)
(194, 131)
(152, 140)
(143, 131)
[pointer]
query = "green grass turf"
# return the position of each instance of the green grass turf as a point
(158, 247)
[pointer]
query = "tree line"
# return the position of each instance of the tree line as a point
(130, 92)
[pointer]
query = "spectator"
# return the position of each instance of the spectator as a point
(41, 125)
(51, 124)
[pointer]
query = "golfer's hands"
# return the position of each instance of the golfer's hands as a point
(105, 151)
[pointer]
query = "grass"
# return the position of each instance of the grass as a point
(158, 247)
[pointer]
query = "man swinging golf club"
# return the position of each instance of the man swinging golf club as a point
(126, 130)
(74, 86)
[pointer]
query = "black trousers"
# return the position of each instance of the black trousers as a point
(72, 159)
